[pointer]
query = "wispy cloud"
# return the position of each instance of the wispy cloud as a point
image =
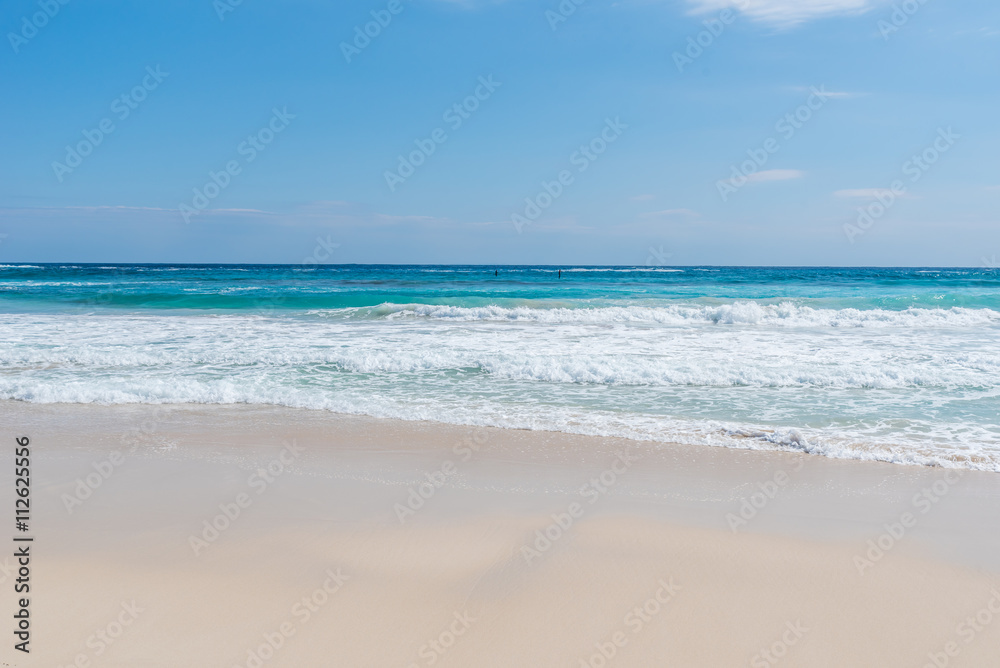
(116, 207)
(472, 4)
(120, 208)
(984, 31)
(670, 212)
(328, 213)
(408, 219)
(775, 175)
(325, 205)
(779, 13)
(866, 193)
(841, 94)
(786, 13)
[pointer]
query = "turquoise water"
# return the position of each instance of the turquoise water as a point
(235, 287)
(896, 365)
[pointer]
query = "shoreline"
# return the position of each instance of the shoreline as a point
(546, 541)
(883, 454)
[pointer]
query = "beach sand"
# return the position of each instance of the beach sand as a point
(524, 549)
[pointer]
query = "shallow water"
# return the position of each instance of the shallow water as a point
(895, 365)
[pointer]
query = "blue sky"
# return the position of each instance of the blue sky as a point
(644, 129)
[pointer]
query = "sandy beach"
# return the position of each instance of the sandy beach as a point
(334, 540)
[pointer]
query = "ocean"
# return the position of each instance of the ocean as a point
(886, 364)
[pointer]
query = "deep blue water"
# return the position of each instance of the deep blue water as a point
(290, 287)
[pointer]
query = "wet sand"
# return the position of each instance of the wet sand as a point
(257, 536)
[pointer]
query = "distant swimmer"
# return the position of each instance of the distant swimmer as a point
(560, 273)
(496, 272)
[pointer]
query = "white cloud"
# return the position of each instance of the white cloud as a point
(786, 13)
(775, 175)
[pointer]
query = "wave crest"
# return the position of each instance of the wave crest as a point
(784, 314)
